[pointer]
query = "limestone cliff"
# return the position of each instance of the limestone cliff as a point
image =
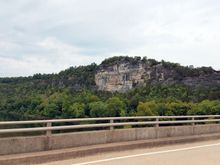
(124, 73)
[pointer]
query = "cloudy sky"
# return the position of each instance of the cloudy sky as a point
(46, 36)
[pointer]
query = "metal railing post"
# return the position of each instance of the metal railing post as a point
(49, 132)
(193, 123)
(111, 127)
(157, 124)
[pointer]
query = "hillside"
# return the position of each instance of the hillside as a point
(120, 74)
(124, 73)
(118, 86)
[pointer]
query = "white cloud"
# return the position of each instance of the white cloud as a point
(24, 67)
(50, 35)
(55, 56)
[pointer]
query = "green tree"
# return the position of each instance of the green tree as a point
(115, 107)
(98, 109)
(52, 110)
(205, 107)
(178, 108)
(77, 110)
(147, 109)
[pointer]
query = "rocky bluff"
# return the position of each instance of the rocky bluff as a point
(124, 73)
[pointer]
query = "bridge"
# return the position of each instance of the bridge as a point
(85, 139)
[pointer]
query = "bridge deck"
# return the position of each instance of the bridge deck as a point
(203, 153)
(113, 151)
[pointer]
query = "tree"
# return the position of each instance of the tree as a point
(77, 110)
(146, 109)
(133, 103)
(98, 109)
(178, 108)
(205, 107)
(52, 110)
(115, 107)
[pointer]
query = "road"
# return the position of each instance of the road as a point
(199, 153)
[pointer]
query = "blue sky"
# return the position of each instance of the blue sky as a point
(47, 36)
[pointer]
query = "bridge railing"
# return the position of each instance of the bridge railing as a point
(109, 122)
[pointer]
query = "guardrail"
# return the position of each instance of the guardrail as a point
(110, 122)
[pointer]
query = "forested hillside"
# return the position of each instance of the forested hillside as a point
(73, 93)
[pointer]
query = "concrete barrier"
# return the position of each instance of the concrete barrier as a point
(15, 145)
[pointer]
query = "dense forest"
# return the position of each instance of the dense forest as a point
(72, 93)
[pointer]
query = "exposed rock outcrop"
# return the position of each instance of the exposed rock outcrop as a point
(124, 74)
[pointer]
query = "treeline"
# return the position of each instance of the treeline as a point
(178, 108)
(67, 103)
(73, 77)
(187, 71)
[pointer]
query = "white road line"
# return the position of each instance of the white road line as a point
(147, 154)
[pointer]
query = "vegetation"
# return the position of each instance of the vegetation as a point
(67, 103)
(72, 94)
(187, 71)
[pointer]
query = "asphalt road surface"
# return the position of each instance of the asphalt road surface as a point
(199, 153)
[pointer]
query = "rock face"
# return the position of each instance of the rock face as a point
(124, 76)
(120, 77)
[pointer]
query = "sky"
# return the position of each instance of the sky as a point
(47, 36)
